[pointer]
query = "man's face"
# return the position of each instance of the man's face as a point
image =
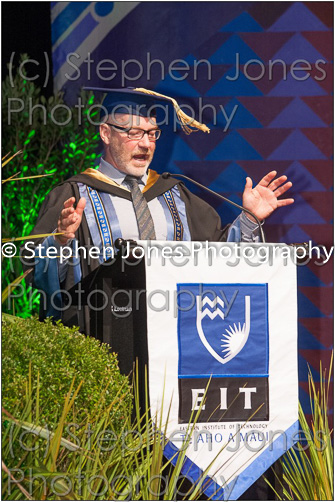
(127, 155)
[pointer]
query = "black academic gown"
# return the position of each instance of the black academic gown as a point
(203, 221)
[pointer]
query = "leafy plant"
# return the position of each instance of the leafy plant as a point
(84, 451)
(107, 464)
(58, 355)
(308, 468)
(55, 139)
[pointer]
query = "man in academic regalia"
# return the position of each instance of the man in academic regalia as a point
(123, 198)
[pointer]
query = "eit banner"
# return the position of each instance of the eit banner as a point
(223, 337)
(222, 342)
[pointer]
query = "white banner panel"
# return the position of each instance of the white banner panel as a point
(224, 316)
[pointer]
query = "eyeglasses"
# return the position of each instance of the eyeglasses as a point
(138, 134)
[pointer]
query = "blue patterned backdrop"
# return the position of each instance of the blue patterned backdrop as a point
(279, 121)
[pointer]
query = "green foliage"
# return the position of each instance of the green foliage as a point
(308, 467)
(127, 464)
(67, 439)
(57, 356)
(54, 138)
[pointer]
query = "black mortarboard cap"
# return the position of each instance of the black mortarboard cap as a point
(142, 102)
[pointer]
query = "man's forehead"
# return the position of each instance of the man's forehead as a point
(129, 120)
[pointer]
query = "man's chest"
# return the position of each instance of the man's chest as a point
(110, 217)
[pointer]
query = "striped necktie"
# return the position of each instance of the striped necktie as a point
(144, 219)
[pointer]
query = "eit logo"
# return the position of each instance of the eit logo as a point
(223, 336)
(235, 336)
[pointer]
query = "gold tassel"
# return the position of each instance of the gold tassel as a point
(188, 124)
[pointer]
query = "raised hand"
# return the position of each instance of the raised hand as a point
(262, 200)
(70, 219)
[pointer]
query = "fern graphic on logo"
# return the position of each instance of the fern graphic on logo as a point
(234, 336)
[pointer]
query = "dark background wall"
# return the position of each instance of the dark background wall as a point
(26, 28)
